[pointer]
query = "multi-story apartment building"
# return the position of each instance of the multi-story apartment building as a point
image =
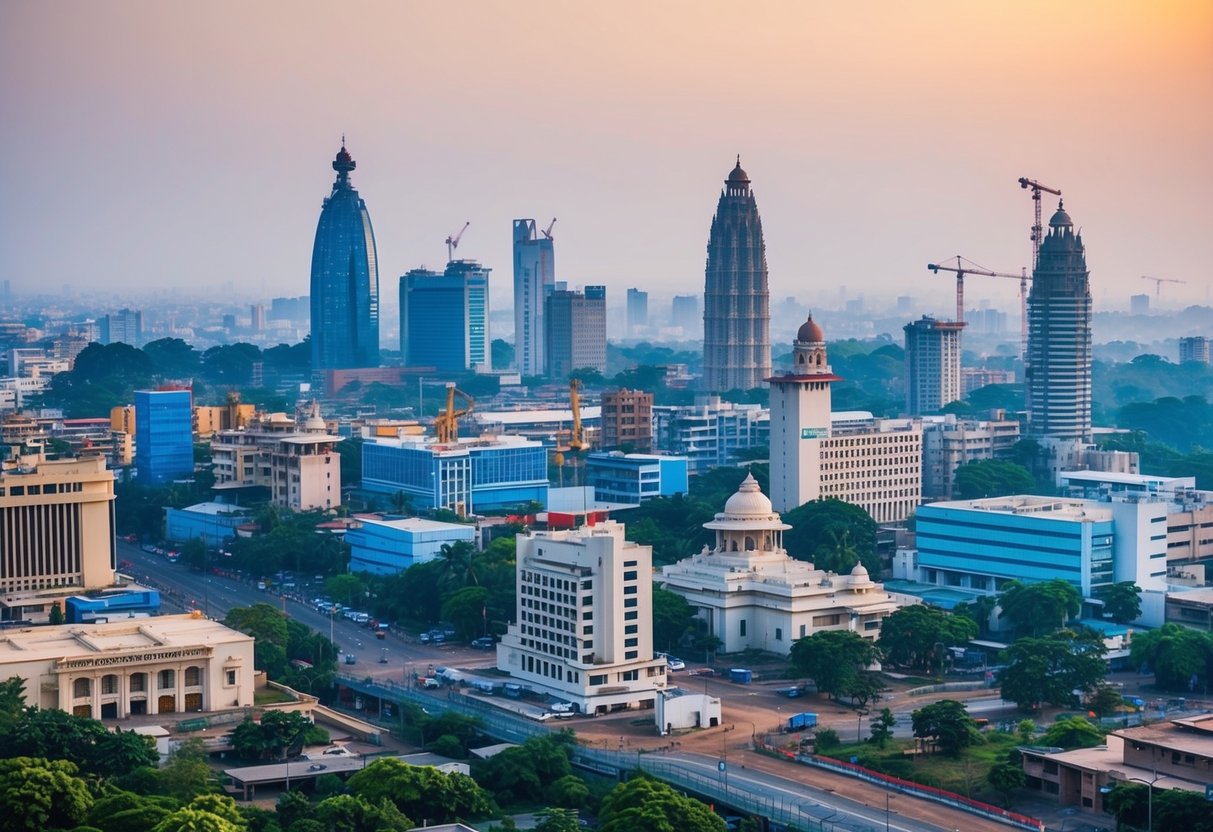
(584, 632)
(1197, 348)
(637, 311)
(948, 443)
(853, 457)
(534, 280)
(627, 420)
(124, 326)
(298, 464)
(710, 433)
(751, 594)
(575, 331)
(972, 378)
(932, 365)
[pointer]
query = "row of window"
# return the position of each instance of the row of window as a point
(137, 682)
(44, 488)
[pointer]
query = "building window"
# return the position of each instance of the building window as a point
(138, 682)
(109, 684)
(231, 678)
(598, 679)
(193, 676)
(742, 632)
(779, 634)
(82, 687)
(166, 679)
(631, 615)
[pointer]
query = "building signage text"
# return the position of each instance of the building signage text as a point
(134, 658)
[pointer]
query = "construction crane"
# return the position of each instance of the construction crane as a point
(547, 232)
(973, 268)
(573, 440)
(452, 242)
(446, 423)
(1158, 281)
(1037, 228)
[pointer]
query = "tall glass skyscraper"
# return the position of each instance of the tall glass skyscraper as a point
(345, 279)
(164, 435)
(736, 300)
(1058, 374)
(534, 280)
(444, 318)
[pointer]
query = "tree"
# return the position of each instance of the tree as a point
(186, 774)
(833, 535)
(833, 658)
(882, 727)
(991, 478)
(1035, 609)
(672, 617)
(1181, 659)
(525, 773)
(825, 739)
(1121, 601)
(264, 622)
(275, 736)
(346, 588)
(1007, 778)
(557, 820)
(948, 723)
(569, 792)
(38, 794)
(195, 555)
(56, 614)
(1051, 668)
(466, 609)
(123, 811)
(918, 636)
(1072, 732)
(352, 813)
(1105, 701)
(12, 702)
(420, 791)
(646, 805)
(56, 735)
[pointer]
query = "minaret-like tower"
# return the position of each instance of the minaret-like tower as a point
(800, 420)
(736, 302)
(1058, 370)
(345, 279)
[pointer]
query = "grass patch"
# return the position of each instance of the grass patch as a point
(271, 696)
(964, 775)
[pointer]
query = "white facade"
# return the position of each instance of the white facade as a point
(753, 595)
(584, 632)
(168, 664)
(932, 365)
(948, 443)
(681, 710)
(710, 433)
(872, 463)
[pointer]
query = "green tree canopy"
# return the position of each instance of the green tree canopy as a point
(525, 773)
(56, 735)
(948, 723)
(833, 535)
(918, 635)
(672, 618)
(421, 791)
(1073, 732)
(38, 794)
(1035, 609)
(1177, 656)
(833, 659)
(991, 478)
(1049, 669)
(1121, 601)
(353, 813)
(467, 610)
(646, 805)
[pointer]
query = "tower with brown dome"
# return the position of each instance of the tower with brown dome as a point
(1058, 372)
(736, 300)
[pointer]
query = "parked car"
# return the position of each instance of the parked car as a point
(424, 638)
(675, 663)
(429, 682)
(483, 643)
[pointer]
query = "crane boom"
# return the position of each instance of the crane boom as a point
(1037, 228)
(446, 424)
(1158, 281)
(961, 270)
(452, 242)
(547, 232)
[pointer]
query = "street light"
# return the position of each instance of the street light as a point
(887, 798)
(859, 725)
(1149, 784)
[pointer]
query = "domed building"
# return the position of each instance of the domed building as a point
(753, 595)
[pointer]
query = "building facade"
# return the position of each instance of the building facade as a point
(851, 456)
(575, 335)
(122, 327)
(389, 547)
(711, 432)
(164, 665)
(627, 420)
(685, 314)
(736, 298)
(1196, 348)
(214, 523)
(584, 632)
(56, 525)
(634, 478)
(932, 365)
(345, 279)
(638, 310)
(444, 318)
(534, 280)
(948, 443)
(164, 435)
(1058, 373)
(751, 594)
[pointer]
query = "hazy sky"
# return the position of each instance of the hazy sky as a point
(149, 144)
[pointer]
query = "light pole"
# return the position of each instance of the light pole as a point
(887, 798)
(1149, 797)
(859, 725)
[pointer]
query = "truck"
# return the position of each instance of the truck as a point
(741, 675)
(801, 721)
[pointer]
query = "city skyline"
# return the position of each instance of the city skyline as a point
(129, 155)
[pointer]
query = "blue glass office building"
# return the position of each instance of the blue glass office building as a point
(345, 279)
(164, 435)
(444, 318)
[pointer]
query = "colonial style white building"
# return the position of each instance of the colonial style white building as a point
(584, 632)
(164, 665)
(753, 594)
(854, 457)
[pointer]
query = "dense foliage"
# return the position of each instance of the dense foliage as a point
(1049, 669)
(918, 636)
(1036, 609)
(991, 478)
(836, 661)
(645, 805)
(1181, 659)
(948, 724)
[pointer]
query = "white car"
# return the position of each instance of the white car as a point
(675, 663)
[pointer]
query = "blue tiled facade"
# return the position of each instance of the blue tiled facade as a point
(444, 317)
(212, 523)
(634, 478)
(164, 438)
(389, 547)
(464, 479)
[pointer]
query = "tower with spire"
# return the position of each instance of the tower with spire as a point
(345, 278)
(1058, 372)
(736, 302)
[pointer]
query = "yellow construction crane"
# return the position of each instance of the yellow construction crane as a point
(446, 423)
(573, 440)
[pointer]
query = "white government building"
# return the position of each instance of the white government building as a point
(584, 632)
(162, 665)
(753, 595)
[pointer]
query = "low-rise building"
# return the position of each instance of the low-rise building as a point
(388, 547)
(169, 664)
(214, 523)
(627, 420)
(711, 432)
(634, 478)
(682, 710)
(751, 594)
(584, 632)
(948, 443)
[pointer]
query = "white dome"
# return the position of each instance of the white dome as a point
(859, 576)
(749, 501)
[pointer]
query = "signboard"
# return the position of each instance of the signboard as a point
(814, 433)
(132, 658)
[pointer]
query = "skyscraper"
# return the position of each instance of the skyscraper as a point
(638, 310)
(124, 326)
(1058, 373)
(576, 331)
(164, 437)
(736, 301)
(684, 313)
(534, 280)
(932, 365)
(345, 279)
(444, 317)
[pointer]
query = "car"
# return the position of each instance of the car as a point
(350, 658)
(675, 663)
(565, 714)
(438, 639)
(424, 638)
(483, 643)
(429, 682)
(543, 717)
(562, 707)
(317, 767)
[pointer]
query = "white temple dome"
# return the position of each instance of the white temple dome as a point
(749, 501)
